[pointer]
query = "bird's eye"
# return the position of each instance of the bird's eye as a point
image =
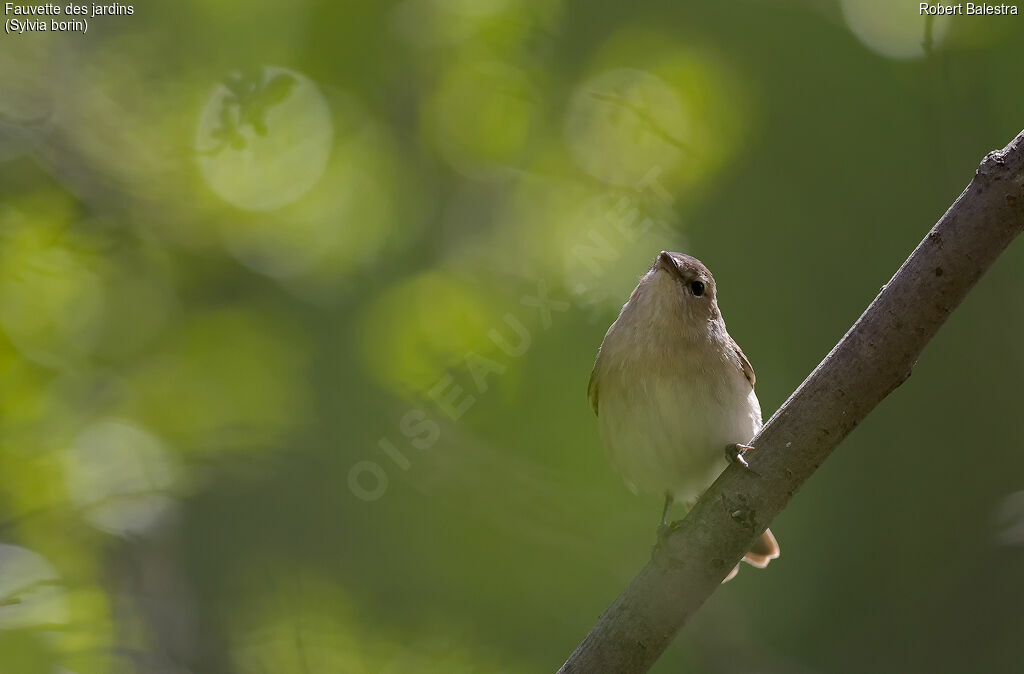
(697, 288)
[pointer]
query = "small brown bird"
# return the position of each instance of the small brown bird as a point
(673, 392)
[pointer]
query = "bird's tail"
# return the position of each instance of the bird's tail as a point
(765, 549)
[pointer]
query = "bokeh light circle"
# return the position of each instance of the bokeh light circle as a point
(894, 29)
(52, 297)
(622, 123)
(1009, 517)
(264, 138)
(30, 592)
(482, 115)
(119, 476)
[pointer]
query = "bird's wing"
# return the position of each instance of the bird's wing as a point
(748, 369)
(592, 386)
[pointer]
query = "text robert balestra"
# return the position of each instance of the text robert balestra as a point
(967, 9)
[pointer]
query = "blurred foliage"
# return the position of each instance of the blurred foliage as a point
(298, 303)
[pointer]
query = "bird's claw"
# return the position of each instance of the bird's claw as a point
(736, 453)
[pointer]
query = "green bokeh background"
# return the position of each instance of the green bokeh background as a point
(247, 249)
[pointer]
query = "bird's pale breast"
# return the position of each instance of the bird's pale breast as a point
(666, 417)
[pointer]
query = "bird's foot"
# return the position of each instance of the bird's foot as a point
(737, 453)
(665, 530)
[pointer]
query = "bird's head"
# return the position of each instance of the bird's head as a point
(681, 287)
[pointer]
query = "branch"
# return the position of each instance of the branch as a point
(870, 361)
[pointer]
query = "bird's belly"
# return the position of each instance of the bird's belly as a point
(663, 434)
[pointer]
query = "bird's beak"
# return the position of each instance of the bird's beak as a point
(668, 263)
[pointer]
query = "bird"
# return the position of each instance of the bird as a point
(674, 393)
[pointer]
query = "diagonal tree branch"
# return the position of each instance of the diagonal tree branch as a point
(871, 360)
